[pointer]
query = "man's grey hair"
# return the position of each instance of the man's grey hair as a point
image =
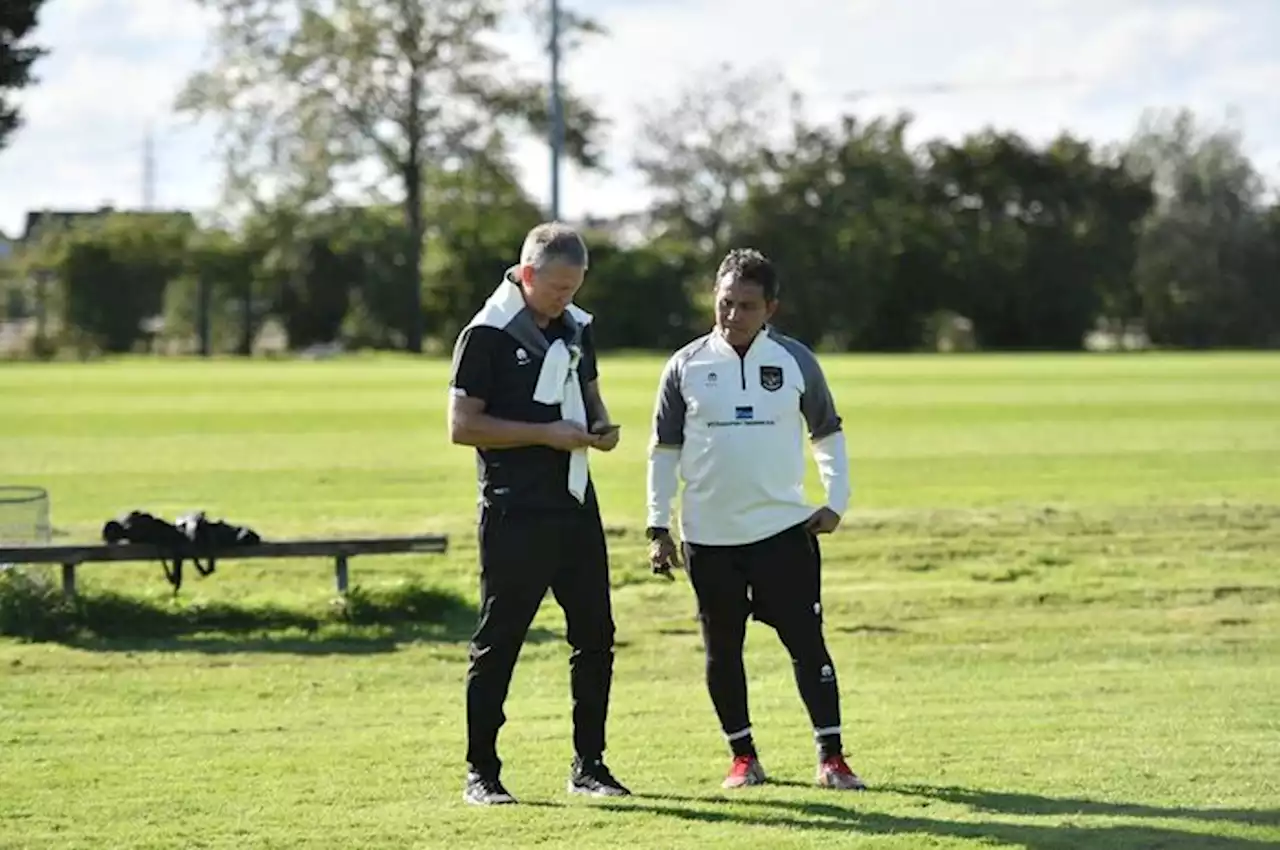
(553, 242)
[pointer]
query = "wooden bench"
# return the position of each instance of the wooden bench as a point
(341, 550)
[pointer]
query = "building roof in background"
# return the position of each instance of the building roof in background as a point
(37, 220)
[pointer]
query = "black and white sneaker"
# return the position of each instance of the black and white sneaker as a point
(485, 791)
(594, 779)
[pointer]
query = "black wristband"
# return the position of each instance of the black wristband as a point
(653, 533)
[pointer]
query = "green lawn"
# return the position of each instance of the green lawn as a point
(1055, 611)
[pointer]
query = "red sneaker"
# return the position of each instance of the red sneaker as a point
(745, 770)
(834, 772)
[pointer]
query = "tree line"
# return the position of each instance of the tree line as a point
(376, 204)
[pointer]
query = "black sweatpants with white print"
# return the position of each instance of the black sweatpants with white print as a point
(523, 554)
(778, 582)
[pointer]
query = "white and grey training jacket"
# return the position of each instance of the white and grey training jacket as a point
(733, 429)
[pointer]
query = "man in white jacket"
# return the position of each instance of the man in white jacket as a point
(732, 412)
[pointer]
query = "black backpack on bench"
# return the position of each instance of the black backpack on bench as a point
(191, 534)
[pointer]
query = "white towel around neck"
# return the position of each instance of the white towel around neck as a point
(558, 384)
(558, 380)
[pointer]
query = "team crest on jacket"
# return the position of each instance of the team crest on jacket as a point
(771, 378)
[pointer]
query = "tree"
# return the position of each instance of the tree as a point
(381, 310)
(114, 272)
(304, 271)
(310, 92)
(213, 301)
(1203, 266)
(643, 292)
(701, 152)
(481, 215)
(1267, 271)
(13, 301)
(17, 20)
(1048, 237)
(841, 212)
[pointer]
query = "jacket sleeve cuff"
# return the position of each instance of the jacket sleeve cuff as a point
(662, 484)
(833, 468)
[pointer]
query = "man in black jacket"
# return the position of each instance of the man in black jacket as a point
(525, 394)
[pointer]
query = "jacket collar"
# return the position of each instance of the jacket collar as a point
(723, 347)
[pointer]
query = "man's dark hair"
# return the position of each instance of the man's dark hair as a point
(750, 266)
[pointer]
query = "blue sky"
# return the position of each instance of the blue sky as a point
(117, 64)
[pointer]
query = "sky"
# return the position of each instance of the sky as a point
(1037, 67)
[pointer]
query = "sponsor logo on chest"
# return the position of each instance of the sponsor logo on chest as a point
(723, 404)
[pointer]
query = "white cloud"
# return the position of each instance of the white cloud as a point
(1035, 66)
(114, 67)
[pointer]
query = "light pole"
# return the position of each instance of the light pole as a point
(557, 111)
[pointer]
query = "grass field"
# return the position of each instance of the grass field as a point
(1055, 611)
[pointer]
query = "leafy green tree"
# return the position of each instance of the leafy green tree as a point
(113, 274)
(1047, 241)
(842, 214)
(1203, 268)
(701, 152)
(18, 19)
(212, 302)
(311, 92)
(642, 294)
(381, 309)
(481, 215)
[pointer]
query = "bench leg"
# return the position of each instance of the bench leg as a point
(69, 580)
(340, 573)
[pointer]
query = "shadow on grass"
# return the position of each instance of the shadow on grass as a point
(362, 622)
(848, 820)
(1009, 802)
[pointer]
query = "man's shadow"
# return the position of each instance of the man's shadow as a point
(847, 819)
(1009, 802)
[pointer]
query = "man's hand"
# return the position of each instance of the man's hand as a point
(664, 556)
(568, 436)
(606, 436)
(824, 521)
